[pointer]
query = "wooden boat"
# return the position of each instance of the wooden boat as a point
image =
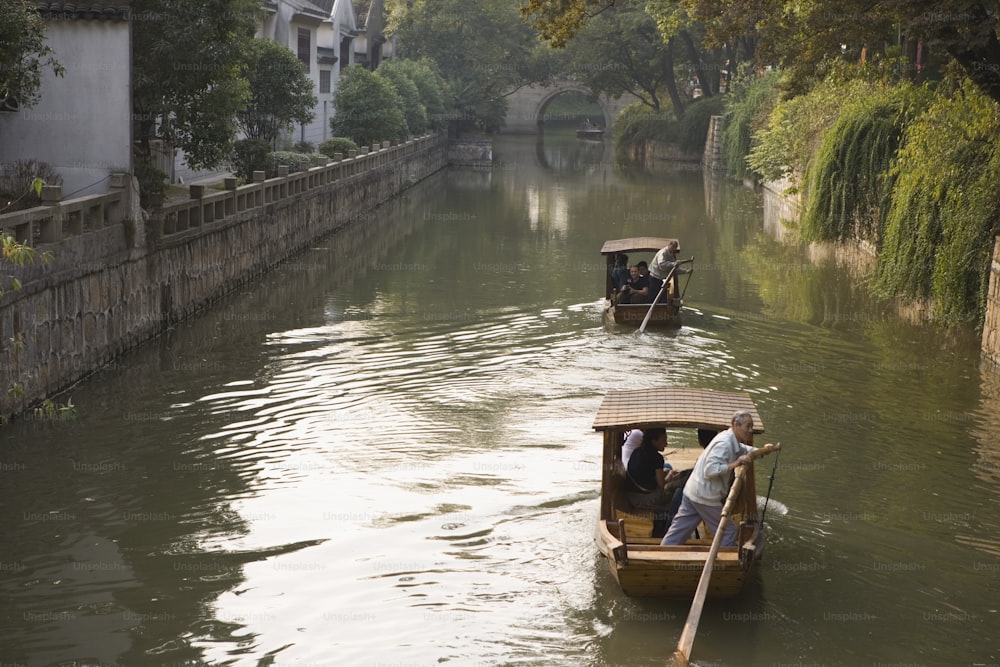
(668, 308)
(591, 134)
(641, 566)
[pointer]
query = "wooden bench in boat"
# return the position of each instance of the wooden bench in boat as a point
(639, 530)
(639, 523)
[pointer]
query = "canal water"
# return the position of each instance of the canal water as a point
(381, 452)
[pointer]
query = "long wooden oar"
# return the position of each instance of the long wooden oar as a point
(649, 313)
(683, 653)
(666, 283)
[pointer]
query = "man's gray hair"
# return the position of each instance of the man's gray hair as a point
(741, 418)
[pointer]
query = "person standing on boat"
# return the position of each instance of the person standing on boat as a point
(654, 283)
(708, 485)
(648, 483)
(664, 260)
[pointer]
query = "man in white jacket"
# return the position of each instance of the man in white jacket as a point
(666, 260)
(708, 485)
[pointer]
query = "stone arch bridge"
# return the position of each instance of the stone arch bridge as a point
(527, 106)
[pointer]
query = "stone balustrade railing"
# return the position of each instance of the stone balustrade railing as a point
(56, 220)
(207, 205)
(111, 282)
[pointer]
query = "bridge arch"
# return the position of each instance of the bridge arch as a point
(526, 107)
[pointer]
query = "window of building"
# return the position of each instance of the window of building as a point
(345, 53)
(324, 81)
(305, 37)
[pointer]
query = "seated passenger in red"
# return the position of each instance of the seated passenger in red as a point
(637, 289)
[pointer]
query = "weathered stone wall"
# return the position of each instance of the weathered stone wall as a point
(991, 325)
(657, 155)
(113, 288)
(714, 159)
(470, 152)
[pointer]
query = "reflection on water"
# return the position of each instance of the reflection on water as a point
(381, 453)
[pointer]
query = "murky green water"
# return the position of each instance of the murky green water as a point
(381, 454)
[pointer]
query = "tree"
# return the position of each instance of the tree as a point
(280, 92)
(368, 109)
(800, 36)
(967, 31)
(621, 51)
(481, 47)
(435, 93)
(413, 109)
(188, 74)
(558, 21)
(23, 54)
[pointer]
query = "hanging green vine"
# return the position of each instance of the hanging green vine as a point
(747, 111)
(945, 211)
(849, 183)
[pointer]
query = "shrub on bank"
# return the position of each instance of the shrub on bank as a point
(335, 145)
(748, 108)
(414, 111)
(692, 129)
(294, 161)
(249, 155)
(638, 123)
(368, 109)
(16, 183)
(795, 129)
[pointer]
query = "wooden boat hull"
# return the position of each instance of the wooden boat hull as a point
(644, 570)
(664, 314)
(593, 135)
(624, 533)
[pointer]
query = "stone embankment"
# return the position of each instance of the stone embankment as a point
(114, 283)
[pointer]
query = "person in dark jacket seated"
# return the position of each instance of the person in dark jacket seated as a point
(648, 486)
(637, 289)
(654, 283)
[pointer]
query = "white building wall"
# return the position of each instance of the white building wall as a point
(313, 132)
(283, 28)
(82, 124)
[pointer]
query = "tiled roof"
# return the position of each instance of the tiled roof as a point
(121, 10)
(673, 407)
(636, 244)
(306, 8)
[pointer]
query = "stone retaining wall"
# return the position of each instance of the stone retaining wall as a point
(112, 288)
(658, 155)
(714, 158)
(991, 324)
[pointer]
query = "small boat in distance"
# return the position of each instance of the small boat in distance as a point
(641, 566)
(668, 308)
(590, 131)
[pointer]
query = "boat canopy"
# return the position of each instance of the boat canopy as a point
(636, 244)
(665, 407)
